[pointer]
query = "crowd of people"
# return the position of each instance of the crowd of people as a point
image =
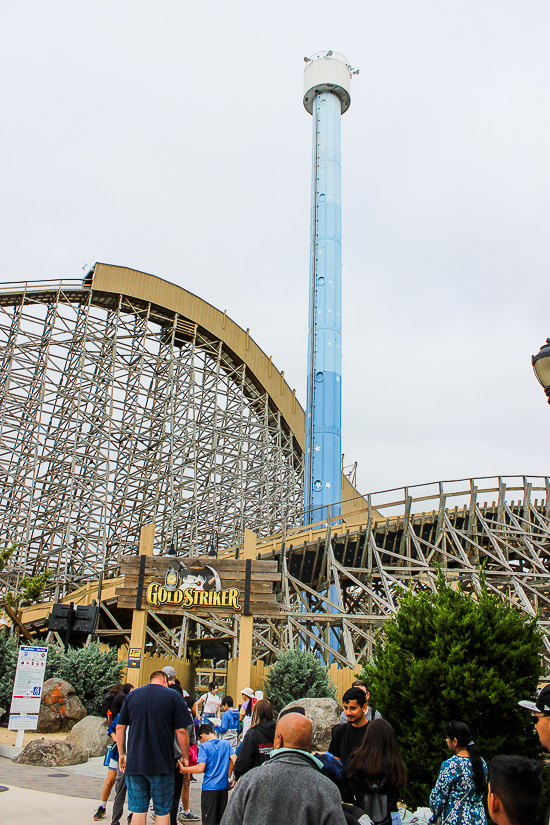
(260, 770)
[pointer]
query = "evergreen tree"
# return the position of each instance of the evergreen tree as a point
(297, 675)
(448, 656)
(91, 671)
(8, 663)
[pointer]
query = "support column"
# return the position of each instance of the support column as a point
(139, 618)
(244, 663)
(326, 97)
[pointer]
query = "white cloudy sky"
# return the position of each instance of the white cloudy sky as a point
(170, 136)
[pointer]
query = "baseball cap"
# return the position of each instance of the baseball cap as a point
(541, 704)
(248, 692)
(170, 672)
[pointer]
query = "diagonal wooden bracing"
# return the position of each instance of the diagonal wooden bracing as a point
(343, 582)
(116, 411)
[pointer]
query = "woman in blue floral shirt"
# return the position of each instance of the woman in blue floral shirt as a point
(458, 791)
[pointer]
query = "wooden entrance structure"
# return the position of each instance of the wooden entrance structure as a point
(245, 587)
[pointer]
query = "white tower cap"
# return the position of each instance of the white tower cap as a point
(327, 72)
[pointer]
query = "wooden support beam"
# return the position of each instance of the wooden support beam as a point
(17, 622)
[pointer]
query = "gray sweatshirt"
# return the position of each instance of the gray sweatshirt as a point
(288, 788)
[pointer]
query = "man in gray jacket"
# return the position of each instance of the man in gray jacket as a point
(288, 788)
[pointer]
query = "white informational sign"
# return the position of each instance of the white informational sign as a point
(23, 722)
(27, 688)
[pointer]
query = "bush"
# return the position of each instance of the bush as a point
(90, 670)
(446, 656)
(297, 675)
(8, 663)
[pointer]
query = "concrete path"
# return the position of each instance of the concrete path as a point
(66, 796)
(26, 807)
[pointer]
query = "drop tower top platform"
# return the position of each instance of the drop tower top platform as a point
(327, 72)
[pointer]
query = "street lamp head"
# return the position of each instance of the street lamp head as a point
(541, 367)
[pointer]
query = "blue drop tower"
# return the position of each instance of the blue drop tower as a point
(327, 77)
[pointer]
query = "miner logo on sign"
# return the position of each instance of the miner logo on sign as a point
(199, 576)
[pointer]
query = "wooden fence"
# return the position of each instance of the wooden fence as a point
(341, 677)
(185, 671)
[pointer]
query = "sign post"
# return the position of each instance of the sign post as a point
(138, 636)
(27, 690)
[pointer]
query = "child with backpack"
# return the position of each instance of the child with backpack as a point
(231, 722)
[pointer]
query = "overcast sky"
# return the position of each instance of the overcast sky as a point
(170, 136)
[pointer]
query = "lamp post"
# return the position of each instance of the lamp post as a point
(541, 367)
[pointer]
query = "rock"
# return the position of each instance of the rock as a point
(324, 713)
(60, 708)
(52, 753)
(91, 734)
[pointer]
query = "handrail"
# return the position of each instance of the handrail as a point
(51, 285)
(436, 495)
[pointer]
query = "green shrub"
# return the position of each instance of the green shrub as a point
(446, 656)
(297, 675)
(8, 663)
(90, 670)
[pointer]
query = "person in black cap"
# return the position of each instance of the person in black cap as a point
(540, 710)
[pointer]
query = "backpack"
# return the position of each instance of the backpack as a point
(106, 703)
(376, 806)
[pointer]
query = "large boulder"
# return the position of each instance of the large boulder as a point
(324, 713)
(91, 734)
(60, 708)
(52, 753)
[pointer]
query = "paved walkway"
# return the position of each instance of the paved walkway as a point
(70, 796)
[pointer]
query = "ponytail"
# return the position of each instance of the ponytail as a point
(461, 732)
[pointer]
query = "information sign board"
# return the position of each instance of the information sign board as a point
(23, 721)
(134, 657)
(27, 687)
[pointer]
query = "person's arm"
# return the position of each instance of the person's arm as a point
(225, 722)
(111, 730)
(183, 741)
(121, 744)
(246, 755)
(232, 760)
(335, 740)
(333, 811)
(193, 769)
(200, 700)
(234, 813)
(440, 792)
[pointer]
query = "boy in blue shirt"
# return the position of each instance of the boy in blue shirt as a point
(231, 722)
(216, 759)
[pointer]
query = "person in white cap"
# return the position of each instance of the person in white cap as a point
(540, 710)
(246, 709)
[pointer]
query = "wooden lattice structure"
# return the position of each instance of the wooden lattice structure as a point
(124, 400)
(341, 583)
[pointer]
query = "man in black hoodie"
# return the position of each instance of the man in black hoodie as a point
(258, 741)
